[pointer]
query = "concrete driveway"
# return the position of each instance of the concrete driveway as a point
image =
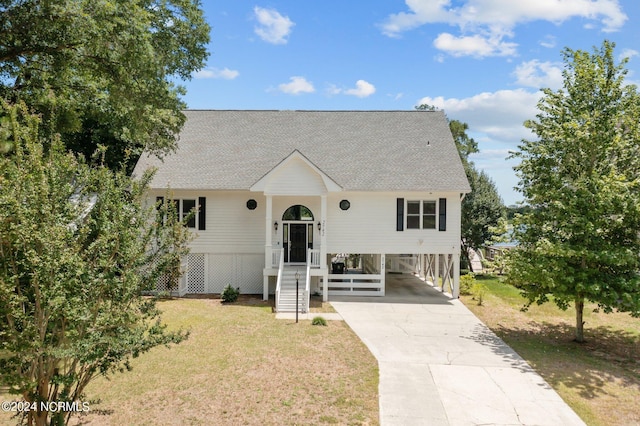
(439, 365)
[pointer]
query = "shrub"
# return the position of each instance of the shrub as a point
(479, 290)
(319, 321)
(230, 294)
(466, 284)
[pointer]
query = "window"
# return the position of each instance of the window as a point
(421, 215)
(183, 207)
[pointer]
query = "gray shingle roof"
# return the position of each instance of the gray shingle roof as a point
(359, 150)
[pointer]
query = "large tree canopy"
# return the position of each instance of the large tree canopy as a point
(102, 72)
(580, 241)
(77, 249)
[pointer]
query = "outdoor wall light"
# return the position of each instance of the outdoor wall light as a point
(345, 204)
(319, 226)
(275, 225)
(252, 204)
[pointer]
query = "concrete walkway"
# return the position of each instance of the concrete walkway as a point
(439, 365)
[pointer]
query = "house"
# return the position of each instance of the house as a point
(279, 194)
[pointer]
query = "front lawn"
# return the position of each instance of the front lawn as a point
(241, 366)
(599, 379)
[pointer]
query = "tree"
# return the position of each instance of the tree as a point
(580, 240)
(482, 208)
(102, 73)
(77, 249)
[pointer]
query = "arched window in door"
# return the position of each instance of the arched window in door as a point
(297, 237)
(298, 212)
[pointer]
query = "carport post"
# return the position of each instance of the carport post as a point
(456, 276)
(382, 273)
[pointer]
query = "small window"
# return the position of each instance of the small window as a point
(421, 215)
(428, 215)
(189, 206)
(183, 207)
(413, 214)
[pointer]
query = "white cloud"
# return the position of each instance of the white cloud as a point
(484, 24)
(548, 41)
(495, 121)
(296, 86)
(362, 90)
(498, 115)
(628, 53)
(224, 73)
(475, 45)
(274, 28)
(539, 74)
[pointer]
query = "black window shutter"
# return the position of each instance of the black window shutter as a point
(202, 213)
(400, 214)
(442, 222)
(159, 202)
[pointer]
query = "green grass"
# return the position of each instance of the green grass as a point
(599, 379)
(242, 366)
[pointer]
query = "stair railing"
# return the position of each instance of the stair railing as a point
(313, 261)
(279, 280)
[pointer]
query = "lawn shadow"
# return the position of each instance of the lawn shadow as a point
(606, 355)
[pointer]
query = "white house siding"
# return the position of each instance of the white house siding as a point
(294, 177)
(369, 226)
(233, 241)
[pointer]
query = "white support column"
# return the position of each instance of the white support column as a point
(323, 232)
(323, 248)
(325, 287)
(437, 271)
(267, 245)
(455, 292)
(383, 274)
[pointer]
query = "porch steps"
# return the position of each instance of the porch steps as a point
(288, 289)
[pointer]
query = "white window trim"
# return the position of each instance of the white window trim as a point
(421, 214)
(181, 216)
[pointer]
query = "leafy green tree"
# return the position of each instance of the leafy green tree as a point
(580, 241)
(482, 208)
(77, 249)
(103, 72)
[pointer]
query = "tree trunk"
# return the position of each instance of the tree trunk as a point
(465, 253)
(579, 322)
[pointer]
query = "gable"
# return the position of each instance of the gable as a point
(295, 176)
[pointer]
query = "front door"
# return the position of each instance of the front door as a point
(297, 242)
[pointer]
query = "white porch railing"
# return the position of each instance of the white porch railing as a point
(356, 284)
(313, 261)
(313, 258)
(280, 269)
(277, 255)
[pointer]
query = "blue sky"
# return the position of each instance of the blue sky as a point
(481, 61)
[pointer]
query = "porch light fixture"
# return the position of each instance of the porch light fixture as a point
(275, 225)
(345, 204)
(252, 204)
(319, 226)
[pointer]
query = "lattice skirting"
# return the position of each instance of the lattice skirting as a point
(195, 276)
